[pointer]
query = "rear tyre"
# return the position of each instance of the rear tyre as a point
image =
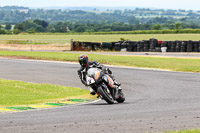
(121, 98)
(105, 94)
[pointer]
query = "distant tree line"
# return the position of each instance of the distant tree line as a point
(14, 19)
(33, 26)
(16, 14)
(43, 26)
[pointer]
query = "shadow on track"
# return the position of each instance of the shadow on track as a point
(104, 103)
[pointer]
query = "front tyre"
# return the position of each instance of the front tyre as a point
(121, 98)
(104, 92)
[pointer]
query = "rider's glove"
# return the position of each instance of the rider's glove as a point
(108, 70)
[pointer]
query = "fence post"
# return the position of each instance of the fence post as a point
(71, 44)
(31, 45)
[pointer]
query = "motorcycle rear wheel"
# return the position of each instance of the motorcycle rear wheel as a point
(106, 96)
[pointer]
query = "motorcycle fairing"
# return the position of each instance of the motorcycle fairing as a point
(108, 80)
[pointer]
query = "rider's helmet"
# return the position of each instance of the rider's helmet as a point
(83, 60)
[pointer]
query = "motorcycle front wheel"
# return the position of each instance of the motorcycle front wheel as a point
(121, 98)
(105, 94)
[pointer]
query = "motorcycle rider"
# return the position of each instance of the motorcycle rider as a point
(85, 64)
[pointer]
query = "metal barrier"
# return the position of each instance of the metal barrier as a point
(36, 44)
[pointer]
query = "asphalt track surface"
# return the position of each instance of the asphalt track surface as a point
(156, 101)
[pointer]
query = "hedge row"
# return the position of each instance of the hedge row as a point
(151, 45)
(166, 31)
(3, 31)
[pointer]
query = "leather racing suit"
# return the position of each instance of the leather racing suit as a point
(96, 65)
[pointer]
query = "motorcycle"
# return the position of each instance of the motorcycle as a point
(103, 84)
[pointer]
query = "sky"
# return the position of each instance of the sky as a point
(166, 4)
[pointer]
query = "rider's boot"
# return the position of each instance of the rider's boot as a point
(92, 92)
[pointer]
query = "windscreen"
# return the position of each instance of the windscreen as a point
(91, 72)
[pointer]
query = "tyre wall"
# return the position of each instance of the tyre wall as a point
(151, 45)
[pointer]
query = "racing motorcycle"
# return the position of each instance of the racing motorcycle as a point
(102, 84)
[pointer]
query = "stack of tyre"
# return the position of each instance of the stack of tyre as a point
(131, 46)
(173, 46)
(118, 46)
(196, 46)
(178, 46)
(189, 46)
(139, 46)
(91, 45)
(146, 45)
(124, 46)
(108, 45)
(153, 45)
(78, 46)
(183, 46)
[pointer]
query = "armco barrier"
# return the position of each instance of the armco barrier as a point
(151, 45)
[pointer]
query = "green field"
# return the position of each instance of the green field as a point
(186, 131)
(22, 93)
(106, 38)
(174, 64)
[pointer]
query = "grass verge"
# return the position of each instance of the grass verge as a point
(103, 38)
(13, 93)
(167, 63)
(186, 131)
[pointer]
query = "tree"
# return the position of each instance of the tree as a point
(133, 20)
(156, 27)
(39, 28)
(121, 27)
(16, 31)
(51, 28)
(89, 30)
(20, 26)
(2, 31)
(8, 27)
(31, 31)
(60, 27)
(177, 26)
(29, 25)
(80, 29)
(43, 23)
